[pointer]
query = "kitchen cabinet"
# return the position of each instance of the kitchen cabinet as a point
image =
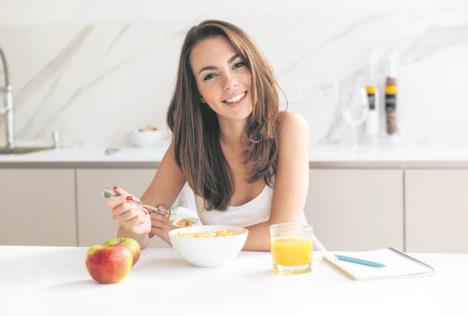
(416, 210)
(94, 217)
(436, 203)
(356, 209)
(37, 207)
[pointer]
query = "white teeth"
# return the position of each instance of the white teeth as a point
(236, 98)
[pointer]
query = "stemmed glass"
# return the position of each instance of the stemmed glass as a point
(354, 112)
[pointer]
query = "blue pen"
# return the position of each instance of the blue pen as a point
(360, 261)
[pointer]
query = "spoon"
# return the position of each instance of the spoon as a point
(110, 193)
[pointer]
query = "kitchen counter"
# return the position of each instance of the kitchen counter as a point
(326, 156)
(54, 281)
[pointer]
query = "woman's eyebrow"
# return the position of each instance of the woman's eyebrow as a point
(230, 60)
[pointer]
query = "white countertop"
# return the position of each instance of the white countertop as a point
(54, 281)
(318, 154)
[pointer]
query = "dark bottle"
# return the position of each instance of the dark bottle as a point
(391, 105)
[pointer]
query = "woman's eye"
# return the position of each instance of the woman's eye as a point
(240, 64)
(208, 77)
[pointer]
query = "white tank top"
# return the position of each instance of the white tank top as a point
(255, 211)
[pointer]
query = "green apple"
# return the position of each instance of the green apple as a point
(108, 264)
(132, 245)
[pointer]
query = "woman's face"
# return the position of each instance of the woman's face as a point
(223, 78)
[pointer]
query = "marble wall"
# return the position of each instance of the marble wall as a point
(94, 72)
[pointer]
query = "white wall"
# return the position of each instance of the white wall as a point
(94, 69)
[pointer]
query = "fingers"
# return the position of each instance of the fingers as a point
(115, 201)
(120, 190)
(121, 209)
(158, 217)
(127, 216)
(159, 221)
(141, 229)
(161, 233)
(156, 232)
(135, 220)
(132, 216)
(160, 227)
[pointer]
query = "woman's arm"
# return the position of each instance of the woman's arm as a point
(163, 190)
(167, 182)
(291, 180)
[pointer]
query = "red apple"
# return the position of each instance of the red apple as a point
(132, 245)
(108, 264)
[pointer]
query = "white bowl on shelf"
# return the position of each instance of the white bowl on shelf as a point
(208, 252)
(145, 138)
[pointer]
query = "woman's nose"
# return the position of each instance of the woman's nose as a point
(230, 82)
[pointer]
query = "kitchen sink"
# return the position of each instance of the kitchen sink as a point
(21, 150)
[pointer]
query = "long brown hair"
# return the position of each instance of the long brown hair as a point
(195, 128)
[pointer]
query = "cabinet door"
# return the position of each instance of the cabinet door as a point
(437, 210)
(94, 217)
(37, 207)
(356, 209)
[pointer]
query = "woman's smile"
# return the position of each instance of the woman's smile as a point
(223, 78)
(236, 100)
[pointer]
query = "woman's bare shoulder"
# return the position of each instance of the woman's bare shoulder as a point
(292, 123)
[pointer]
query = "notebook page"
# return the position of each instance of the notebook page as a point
(396, 265)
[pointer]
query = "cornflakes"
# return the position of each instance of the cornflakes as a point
(215, 233)
(184, 222)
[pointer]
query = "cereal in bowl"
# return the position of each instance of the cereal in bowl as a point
(215, 233)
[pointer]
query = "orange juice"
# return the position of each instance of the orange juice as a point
(291, 251)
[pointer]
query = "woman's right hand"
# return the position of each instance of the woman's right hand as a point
(131, 217)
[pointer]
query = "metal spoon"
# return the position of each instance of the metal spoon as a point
(110, 193)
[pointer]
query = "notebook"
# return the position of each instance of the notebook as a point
(397, 264)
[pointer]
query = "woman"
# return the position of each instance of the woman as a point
(246, 161)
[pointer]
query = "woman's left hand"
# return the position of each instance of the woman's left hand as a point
(160, 227)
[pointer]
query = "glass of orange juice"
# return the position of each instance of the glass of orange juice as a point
(291, 248)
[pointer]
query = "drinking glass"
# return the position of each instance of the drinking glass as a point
(354, 112)
(291, 248)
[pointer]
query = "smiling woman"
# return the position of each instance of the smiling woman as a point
(246, 161)
(221, 61)
(228, 83)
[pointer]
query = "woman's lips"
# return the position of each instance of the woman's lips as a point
(236, 100)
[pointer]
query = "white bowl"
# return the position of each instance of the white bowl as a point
(208, 251)
(145, 138)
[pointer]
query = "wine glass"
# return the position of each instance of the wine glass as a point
(354, 112)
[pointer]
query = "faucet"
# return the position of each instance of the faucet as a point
(7, 108)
